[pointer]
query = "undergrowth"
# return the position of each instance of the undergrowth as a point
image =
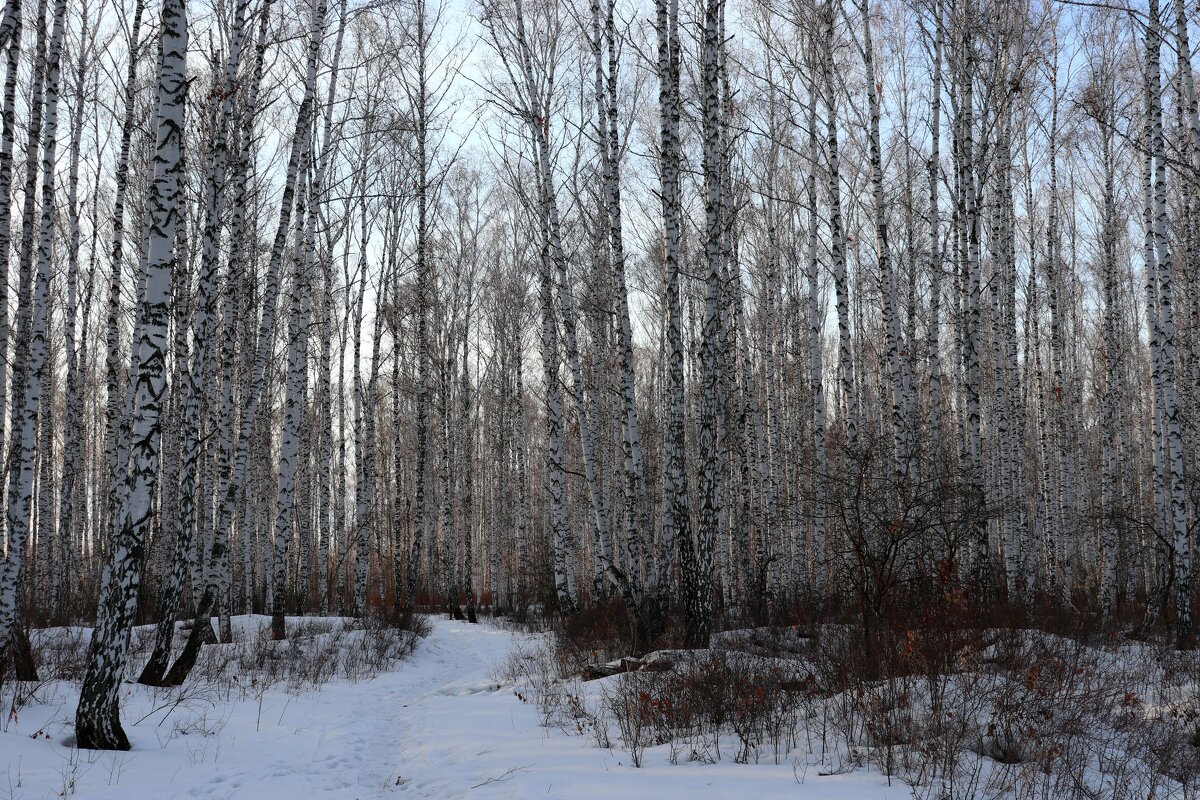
(955, 704)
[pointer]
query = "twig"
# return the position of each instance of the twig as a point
(502, 777)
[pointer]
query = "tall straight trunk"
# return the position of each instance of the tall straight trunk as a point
(400, 511)
(20, 481)
(324, 416)
(676, 528)
(1065, 502)
(201, 377)
(698, 602)
(31, 374)
(936, 254)
(421, 516)
(1172, 442)
(757, 495)
(448, 460)
(1158, 597)
(10, 28)
(301, 143)
(769, 288)
(636, 532)
(1002, 334)
(837, 233)
(1014, 450)
(1109, 512)
(326, 517)
(981, 566)
(897, 357)
(74, 443)
(816, 374)
(1035, 393)
(294, 409)
(362, 477)
(115, 402)
(1188, 102)
(97, 720)
(372, 503)
(522, 509)
(468, 465)
(726, 355)
(341, 525)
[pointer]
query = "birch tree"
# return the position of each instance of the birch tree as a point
(97, 720)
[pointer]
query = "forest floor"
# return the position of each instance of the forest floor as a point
(443, 723)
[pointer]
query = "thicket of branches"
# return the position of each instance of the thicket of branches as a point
(713, 311)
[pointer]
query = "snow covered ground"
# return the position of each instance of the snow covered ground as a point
(439, 725)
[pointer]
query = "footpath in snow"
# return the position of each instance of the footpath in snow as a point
(437, 726)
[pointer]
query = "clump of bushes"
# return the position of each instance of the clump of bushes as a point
(953, 705)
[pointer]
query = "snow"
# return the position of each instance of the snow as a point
(442, 724)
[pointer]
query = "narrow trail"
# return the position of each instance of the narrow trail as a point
(398, 734)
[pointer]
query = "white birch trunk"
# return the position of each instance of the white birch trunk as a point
(97, 720)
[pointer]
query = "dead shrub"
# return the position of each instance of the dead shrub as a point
(597, 633)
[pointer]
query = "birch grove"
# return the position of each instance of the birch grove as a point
(692, 314)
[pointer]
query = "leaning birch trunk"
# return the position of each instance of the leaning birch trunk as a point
(97, 720)
(554, 473)
(43, 554)
(283, 533)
